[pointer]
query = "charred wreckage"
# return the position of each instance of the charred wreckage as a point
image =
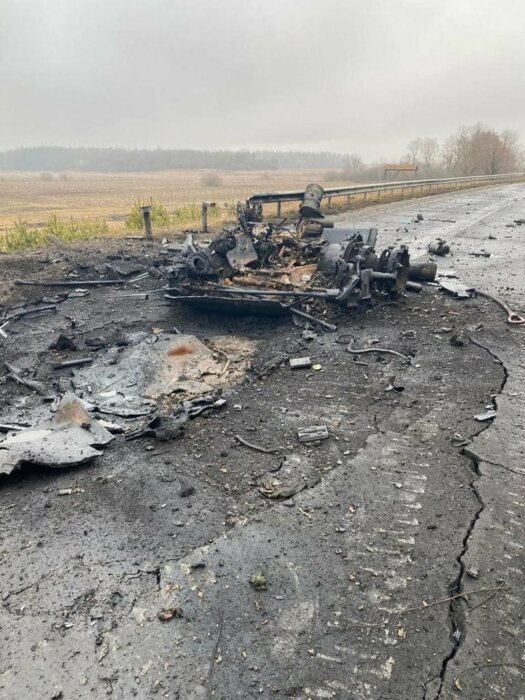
(268, 268)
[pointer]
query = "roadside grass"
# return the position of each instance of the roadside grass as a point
(22, 236)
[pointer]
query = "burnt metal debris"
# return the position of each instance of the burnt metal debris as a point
(272, 268)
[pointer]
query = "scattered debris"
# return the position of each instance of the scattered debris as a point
(69, 439)
(259, 582)
(351, 349)
(37, 310)
(519, 222)
(512, 317)
(287, 479)
(480, 254)
(16, 375)
(257, 448)
(488, 415)
(439, 247)
(457, 289)
(73, 363)
(313, 433)
(68, 283)
(168, 614)
(457, 340)
(63, 343)
(422, 271)
(300, 363)
(324, 324)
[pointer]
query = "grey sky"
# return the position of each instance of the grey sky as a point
(360, 76)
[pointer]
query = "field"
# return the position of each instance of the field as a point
(73, 206)
(35, 197)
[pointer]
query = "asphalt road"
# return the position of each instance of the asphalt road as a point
(358, 575)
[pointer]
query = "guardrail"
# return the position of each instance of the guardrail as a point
(389, 187)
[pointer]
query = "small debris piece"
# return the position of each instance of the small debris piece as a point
(68, 439)
(168, 614)
(257, 448)
(300, 363)
(488, 415)
(351, 350)
(16, 374)
(519, 222)
(27, 312)
(186, 490)
(324, 324)
(313, 433)
(456, 340)
(73, 363)
(125, 268)
(68, 283)
(460, 291)
(419, 217)
(63, 343)
(438, 247)
(259, 582)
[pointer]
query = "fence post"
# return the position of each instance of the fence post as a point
(146, 215)
(204, 215)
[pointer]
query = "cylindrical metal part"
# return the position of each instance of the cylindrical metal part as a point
(438, 247)
(414, 286)
(422, 271)
(204, 217)
(311, 206)
(146, 215)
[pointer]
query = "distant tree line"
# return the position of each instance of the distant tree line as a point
(56, 158)
(472, 150)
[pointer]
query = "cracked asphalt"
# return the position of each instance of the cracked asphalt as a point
(409, 503)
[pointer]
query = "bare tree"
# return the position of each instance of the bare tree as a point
(449, 153)
(429, 151)
(354, 164)
(414, 150)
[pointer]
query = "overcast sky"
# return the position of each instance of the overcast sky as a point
(361, 76)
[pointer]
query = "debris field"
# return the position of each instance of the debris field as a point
(236, 468)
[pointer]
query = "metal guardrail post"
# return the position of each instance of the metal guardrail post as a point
(204, 215)
(146, 216)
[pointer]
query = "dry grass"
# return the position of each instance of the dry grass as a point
(111, 196)
(83, 205)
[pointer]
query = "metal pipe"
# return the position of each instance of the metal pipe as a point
(311, 206)
(422, 271)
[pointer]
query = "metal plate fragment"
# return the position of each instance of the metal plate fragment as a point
(68, 439)
(312, 433)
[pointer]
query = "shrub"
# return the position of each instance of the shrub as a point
(159, 215)
(211, 180)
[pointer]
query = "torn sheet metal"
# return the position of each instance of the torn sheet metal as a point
(457, 289)
(69, 439)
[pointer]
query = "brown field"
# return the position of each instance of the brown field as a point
(109, 197)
